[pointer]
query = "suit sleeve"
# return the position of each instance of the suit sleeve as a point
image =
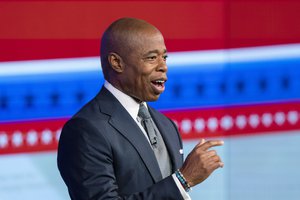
(178, 134)
(85, 161)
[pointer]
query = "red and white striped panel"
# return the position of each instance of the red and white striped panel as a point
(43, 135)
(239, 120)
(30, 136)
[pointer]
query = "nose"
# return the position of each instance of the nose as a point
(162, 66)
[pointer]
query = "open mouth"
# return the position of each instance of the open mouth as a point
(159, 85)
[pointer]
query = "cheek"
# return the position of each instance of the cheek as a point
(146, 82)
(142, 78)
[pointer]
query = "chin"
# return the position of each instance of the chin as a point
(153, 98)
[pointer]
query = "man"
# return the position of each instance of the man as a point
(112, 148)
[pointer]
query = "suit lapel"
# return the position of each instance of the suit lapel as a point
(123, 122)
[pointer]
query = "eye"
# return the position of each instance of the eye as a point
(165, 57)
(151, 57)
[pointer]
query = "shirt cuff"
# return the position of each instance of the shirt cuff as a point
(184, 194)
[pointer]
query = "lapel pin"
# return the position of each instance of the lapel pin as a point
(181, 151)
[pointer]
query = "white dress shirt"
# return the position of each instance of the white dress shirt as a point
(132, 108)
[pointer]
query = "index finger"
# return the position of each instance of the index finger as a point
(211, 143)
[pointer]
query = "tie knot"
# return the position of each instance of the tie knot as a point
(143, 112)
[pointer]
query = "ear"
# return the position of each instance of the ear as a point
(116, 62)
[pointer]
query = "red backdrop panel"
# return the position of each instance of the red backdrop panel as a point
(60, 29)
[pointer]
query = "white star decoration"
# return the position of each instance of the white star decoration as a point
(58, 134)
(279, 118)
(254, 120)
(199, 125)
(293, 117)
(186, 125)
(3, 140)
(212, 124)
(226, 122)
(32, 137)
(46, 136)
(241, 121)
(17, 139)
(267, 119)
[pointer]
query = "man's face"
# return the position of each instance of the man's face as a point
(145, 70)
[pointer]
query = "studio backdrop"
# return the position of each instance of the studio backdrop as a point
(234, 73)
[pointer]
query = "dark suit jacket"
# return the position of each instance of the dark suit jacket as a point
(103, 154)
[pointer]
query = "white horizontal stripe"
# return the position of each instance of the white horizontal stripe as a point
(177, 59)
(52, 66)
(234, 55)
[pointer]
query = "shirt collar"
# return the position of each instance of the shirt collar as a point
(126, 101)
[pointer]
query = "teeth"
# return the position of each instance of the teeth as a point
(160, 81)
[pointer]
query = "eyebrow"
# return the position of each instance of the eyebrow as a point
(155, 51)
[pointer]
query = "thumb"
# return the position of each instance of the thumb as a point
(202, 141)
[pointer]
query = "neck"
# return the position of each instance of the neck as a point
(118, 86)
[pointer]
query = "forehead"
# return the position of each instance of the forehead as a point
(147, 41)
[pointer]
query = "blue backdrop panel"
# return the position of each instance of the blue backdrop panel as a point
(189, 86)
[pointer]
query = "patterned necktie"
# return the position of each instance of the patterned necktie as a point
(156, 141)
